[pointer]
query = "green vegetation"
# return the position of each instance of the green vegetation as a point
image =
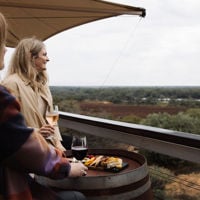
(131, 95)
(188, 121)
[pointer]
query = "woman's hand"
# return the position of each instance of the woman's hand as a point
(46, 130)
(78, 169)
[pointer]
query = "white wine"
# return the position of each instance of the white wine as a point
(52, 118)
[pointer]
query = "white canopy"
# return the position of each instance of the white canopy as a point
(45, 18)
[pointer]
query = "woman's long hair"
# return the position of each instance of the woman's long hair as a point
(23, 62)
(3, 34)
(3, 28)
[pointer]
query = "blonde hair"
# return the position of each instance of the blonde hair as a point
(3, 33)
(22, 62)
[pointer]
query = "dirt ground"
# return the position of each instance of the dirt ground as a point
(124, 110)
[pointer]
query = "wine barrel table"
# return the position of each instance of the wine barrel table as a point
(132, 182)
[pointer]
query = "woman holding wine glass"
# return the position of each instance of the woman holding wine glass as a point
(27, 79)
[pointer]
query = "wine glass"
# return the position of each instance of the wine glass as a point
(52, 118)
(79, 147)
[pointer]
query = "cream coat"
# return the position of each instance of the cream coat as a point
(28, 99)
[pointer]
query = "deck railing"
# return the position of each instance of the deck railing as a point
(181, 145)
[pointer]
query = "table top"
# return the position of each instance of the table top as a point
(96, 179)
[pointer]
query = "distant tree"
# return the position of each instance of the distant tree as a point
(183, 121)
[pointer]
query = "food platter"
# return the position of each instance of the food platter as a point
(104, 162)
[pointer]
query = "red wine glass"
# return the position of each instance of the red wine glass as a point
(79, 147)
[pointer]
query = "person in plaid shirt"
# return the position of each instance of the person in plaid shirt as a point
(24, 151)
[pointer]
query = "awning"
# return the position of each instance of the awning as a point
(45, 18)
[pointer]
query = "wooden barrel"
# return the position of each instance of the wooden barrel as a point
(133, 182)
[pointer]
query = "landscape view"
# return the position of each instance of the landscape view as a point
(175, 108)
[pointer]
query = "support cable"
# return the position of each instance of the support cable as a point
(132, 34)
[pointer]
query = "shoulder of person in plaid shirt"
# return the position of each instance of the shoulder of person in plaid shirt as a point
(18, 148)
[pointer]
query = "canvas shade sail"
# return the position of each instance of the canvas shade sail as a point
(45, 18)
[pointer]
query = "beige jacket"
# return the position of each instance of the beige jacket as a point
(28, 99)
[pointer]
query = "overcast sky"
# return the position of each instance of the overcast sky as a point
(162, 49)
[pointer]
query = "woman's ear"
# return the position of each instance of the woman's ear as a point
(35, 56)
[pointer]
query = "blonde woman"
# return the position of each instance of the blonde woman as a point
(27, 80)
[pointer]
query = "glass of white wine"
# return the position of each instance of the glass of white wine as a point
(52, 118)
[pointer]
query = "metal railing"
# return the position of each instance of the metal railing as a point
(181, 145)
